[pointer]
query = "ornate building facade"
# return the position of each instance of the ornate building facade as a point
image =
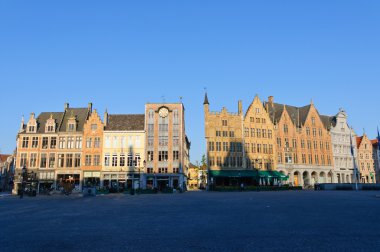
(303, 143)
(366, 161)
(343, 138)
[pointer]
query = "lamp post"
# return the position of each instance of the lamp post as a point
(24, 175)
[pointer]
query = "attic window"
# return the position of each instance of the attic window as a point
(313, 120)
(71, 127)
(94, 126)
(31, 128)
(50, 128)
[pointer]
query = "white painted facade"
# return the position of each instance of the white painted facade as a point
(343, 160)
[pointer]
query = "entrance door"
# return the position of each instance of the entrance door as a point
(296, 180)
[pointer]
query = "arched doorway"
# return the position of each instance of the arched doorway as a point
(296, 178)
(322, 177)
(314, 178)
(305, 177)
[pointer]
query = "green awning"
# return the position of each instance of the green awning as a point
(233, 173)
(272, 174)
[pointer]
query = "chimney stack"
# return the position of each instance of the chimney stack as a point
(90, 106)
(240, 107)
(105, 118)
(271, 100)
(66, 105)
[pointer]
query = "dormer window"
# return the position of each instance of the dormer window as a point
(50, 124)
(32, 124)
(71, 127)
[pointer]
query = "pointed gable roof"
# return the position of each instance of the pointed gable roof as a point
(80, 114)
(44, 116)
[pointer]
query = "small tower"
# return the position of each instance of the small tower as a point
(206, 104)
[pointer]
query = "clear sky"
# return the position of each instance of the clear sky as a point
(121, 54)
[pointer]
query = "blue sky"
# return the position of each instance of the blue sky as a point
(121, 54)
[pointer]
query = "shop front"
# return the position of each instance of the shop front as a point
(91, 179)
(46, 182)
(114, 181)
(71, 180)
(232, 178)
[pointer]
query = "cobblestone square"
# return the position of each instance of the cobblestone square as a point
(193, 221)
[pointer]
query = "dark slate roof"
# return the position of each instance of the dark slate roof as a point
(297, 114)
(328, 121)
(81, 115)
(44, 116)
(126, 122)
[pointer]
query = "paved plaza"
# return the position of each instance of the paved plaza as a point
(193, 221)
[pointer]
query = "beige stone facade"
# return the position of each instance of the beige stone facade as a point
(366, 161)
(166, 144)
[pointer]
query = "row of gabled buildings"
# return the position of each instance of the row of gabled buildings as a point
(273, 143)
(118, 152)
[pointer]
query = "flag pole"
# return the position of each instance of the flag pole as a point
(353, 158)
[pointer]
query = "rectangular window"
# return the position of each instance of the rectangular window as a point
(163, 156)
(45, 142)
(218, 133)
(53, 142)
(303, 144)
(265, 148)
(94, 127)
(308, 131)
(51, 160)
(33, 160)
(176, 154)
(87, 161)
(225, 133)
(115, 143)
(310, 159)
(107, 160)
(25, 142)
(69, 160)
(78, 142)
(175, 170)
(264, 133)
(70, 142)
(34, 142)
(253, 130)
(270, 134)
(232, 134)
(253, 148)
(218, 146)
(211, 146)
(258, 133)
(97, 142)
(114, 160)
(88, 142)
(279, 142)
(130, 160)
(150, 156)
(61, 160)
(149, 170)
(122, 160)
(304, 158)
(96, 160)
(137, 159)
(294, 143)
(77, 160)
(62, 141)
(43, 161)
(270, 149)
(232, 147)
(219, 161)
(286, 130)
(224, 122)
(309, 144)
(71, 127)
(225, 146)
(246, 132)
(314, 132)
(258, 148)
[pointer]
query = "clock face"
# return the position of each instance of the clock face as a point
(163, 112)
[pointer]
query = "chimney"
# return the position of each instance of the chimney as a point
(271, 100)
(105, 118)
(90, 106)
(240, 107)
(66, 105)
